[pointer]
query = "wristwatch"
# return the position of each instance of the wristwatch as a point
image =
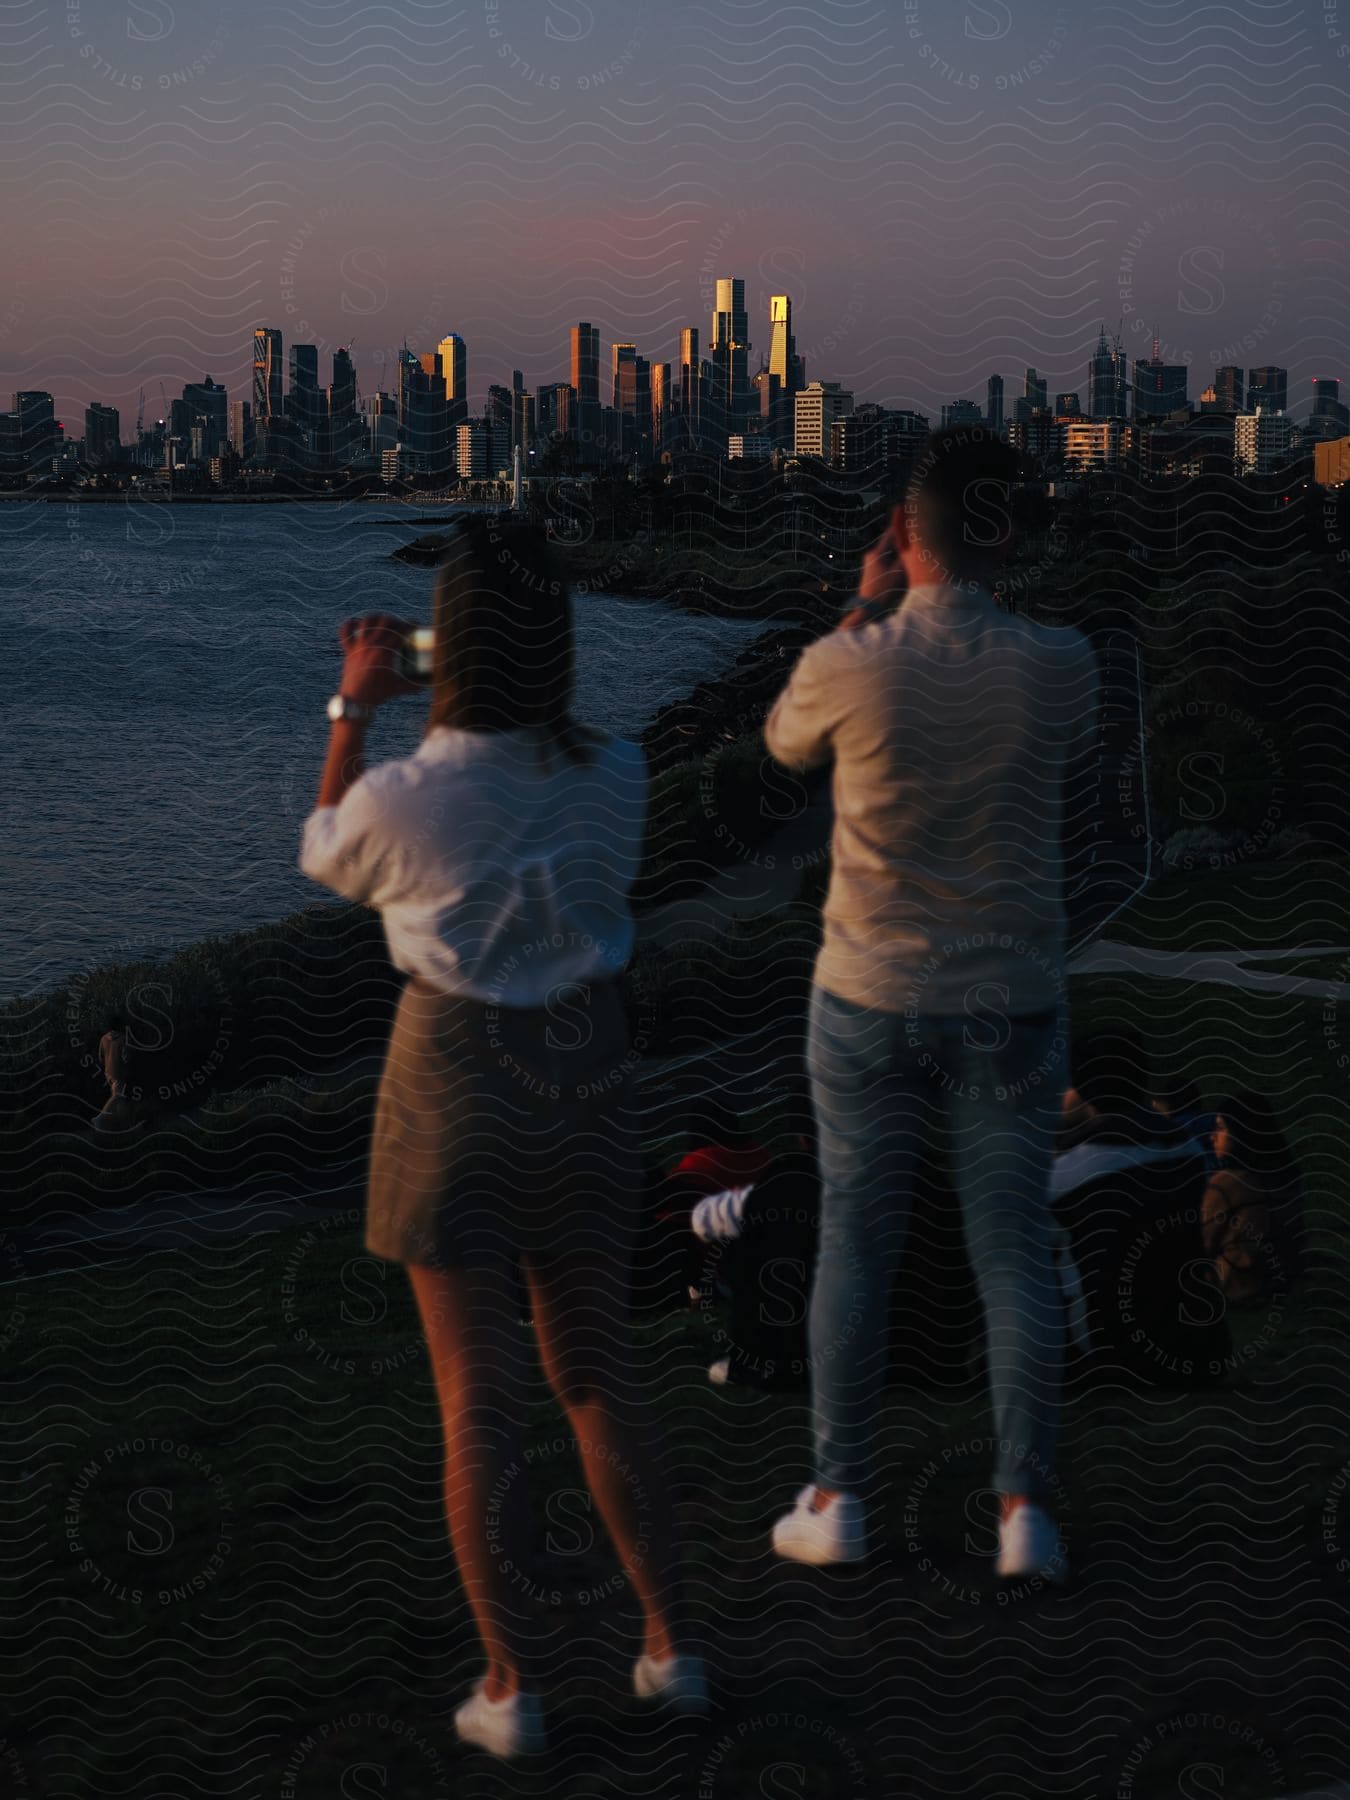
(340, 707)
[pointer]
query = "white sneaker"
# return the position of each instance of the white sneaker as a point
(677, 1682)
(510, 1727)
(719, 1373)
(1029, 1544)
(833, 1535)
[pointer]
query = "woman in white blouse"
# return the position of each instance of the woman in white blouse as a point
(500, 856)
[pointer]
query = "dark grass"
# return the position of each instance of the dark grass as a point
(1276, 906)
(296, 1577)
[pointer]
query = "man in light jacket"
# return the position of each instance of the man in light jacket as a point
(938, 1003)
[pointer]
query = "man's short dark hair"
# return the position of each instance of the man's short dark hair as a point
(957, 495)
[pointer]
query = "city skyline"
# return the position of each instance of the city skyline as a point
(776, 343)
(943, 192)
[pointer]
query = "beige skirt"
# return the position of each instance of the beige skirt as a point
(504, 1131)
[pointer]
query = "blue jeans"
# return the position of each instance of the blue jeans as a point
(882, 1084)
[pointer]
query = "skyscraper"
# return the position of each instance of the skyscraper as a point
(1108, 380)
(661, 397)
(783, 359)
(817, 407)
(1329, 418)
(342, 393)
(302, 399)
(102, 434)
(266, 376)
(1228, 388)
(1268, 388)
(994, 404)
(207, 402)
(586, 381)
(1159, 387)
(1037, 391)
(632, 400)
(241, 428)
(620, 356)
(690, 392)
(730, 355)
(454, 355)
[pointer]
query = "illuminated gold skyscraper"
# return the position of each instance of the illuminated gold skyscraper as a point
(454, 355)
(783, 359)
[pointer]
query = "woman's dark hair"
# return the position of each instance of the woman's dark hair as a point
(1177, 1094)
(1257, 1142)
(504, 648)
(114, 1022)
(1110, 1070)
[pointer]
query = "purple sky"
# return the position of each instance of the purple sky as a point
(945, 187)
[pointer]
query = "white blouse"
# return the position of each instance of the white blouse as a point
(500, 867)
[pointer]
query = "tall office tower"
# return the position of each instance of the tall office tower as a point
(784, 361)
(241, 429)
(381, 412)
(209, 401)
(501, 403)
(586, 363)
(620, 356)
(304, 364)
(585, 378)
(1228, 388)
(1329, 418)
(1159, 387)
(522, 421)
(555, 409)
(1108, 380)
(303, 398)
(454, 355)
(102, 434)
(342, 392)
(1268, 388)
(1067, 406)
(816, 408)
(267, 403)
(344, 428)
(689, 396)
(993, 411)
(774, 410)
(1261, 440)
(730, 357)
(632, 401)
(472, 450)
(661, 399)
(1037, 391)
(421, 415)
(517, 381)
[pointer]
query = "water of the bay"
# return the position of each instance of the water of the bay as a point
(166, 673)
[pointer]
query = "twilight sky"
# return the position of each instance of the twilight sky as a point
(945, 187)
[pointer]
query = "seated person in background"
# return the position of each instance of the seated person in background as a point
(757, 1250)
(1178, 1099)
(755, 1245)
(1253, 1206)
(1127, 1185)
(668, 1263)
(729, 1155)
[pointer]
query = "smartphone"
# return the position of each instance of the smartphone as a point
(419, 653)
